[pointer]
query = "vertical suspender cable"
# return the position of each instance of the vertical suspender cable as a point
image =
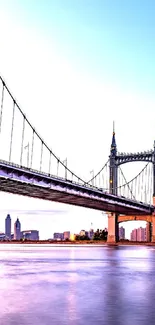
(50, 163)
(12, 127)
(21, 156)
(2, 101)
(32, 148)
(57, 167)
(41, 156)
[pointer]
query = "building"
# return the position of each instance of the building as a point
(91, 233)
(133, 236)
(58, 236)
(8, 227)
(121, 233)
(66, 235)
(82, 233)
(2, 236)
(17, 230)
(141, 234)
(30, 234)
(72, 237)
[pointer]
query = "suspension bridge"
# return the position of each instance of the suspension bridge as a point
(29, 167)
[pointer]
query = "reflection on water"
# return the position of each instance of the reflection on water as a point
(45, 285)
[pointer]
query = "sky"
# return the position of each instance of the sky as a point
(74, 67)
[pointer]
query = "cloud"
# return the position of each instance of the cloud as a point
(33, 212)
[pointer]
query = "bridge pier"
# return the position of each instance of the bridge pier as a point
(148, 232)
(153, 229)
(153, 221)
(112, 228)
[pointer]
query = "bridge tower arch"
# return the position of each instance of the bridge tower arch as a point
(147, 218)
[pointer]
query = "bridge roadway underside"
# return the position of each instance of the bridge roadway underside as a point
(46, 193)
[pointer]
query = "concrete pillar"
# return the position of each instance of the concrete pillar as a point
(148, 232)
(153, 229)
(112, 228)
(153, 224)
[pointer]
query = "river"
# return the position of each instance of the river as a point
(52, 285)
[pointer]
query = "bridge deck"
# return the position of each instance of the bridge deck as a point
(22, 181)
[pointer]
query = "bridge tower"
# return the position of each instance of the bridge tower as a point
(113, 165)
(112, 217)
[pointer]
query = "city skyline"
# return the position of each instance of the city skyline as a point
(80, 69)
(137, 234)
(58, 229)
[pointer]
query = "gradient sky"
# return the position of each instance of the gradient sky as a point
(74, 67)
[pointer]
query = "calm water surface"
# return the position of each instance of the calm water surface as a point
(44, 285)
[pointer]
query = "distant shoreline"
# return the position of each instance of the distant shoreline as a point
(76, 243)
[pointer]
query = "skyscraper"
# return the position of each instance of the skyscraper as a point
(17, 230)
(141, 234)
(121, 233)
(133, 236)
(8, 227)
